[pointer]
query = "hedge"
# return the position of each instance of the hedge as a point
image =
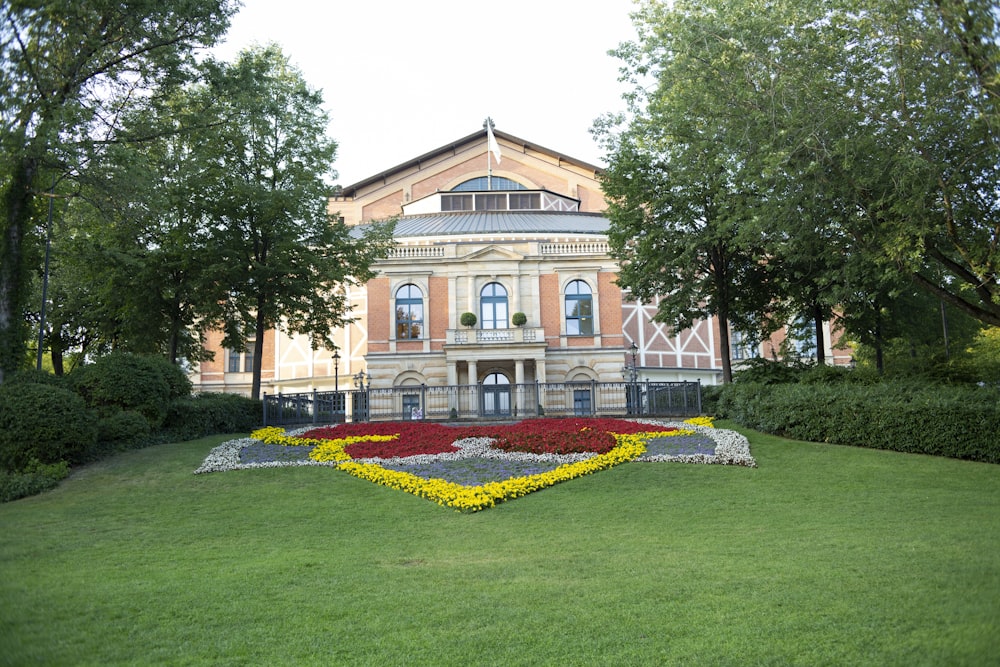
(958, 422)
(205, 414)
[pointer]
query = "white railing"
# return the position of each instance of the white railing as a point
(494, 336)
(581, 248)
(416, 252)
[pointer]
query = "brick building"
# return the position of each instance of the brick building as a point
(516, 230)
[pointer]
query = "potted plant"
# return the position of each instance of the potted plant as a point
(519, 319)
(468, 319)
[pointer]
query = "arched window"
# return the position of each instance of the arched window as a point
(493, 306)
(480, 184)
(579, 309)
(409, 312)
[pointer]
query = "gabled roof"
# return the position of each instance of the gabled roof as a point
(351, 190)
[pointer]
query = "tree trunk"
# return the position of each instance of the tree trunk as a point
(17, 206)
(820, 341)
(724, 351)
(258, 352)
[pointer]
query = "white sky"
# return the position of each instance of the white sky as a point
(401, 78)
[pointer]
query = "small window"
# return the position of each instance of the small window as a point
(528, 201)
(491, 202)
(456, 202)
(409, 312)
(579, 309)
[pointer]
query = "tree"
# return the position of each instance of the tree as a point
(682, 207)
(284, 259)
(69, 69)
(862, 139)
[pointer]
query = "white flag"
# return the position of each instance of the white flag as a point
(491, 143)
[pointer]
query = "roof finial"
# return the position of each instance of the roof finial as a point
(489, 123)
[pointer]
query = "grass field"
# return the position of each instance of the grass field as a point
(822, 555)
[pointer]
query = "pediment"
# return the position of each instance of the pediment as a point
(493, 253)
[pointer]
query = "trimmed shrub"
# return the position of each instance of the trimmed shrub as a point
(42, 423)
(468, 319)
(958, 422)
(40, 377)
(120, 381)
(123, 426)
(519, 319)
(205, 414)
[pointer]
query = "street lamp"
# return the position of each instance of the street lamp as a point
(361, 396)
(359, 380)
(631, 376)
(338, 407)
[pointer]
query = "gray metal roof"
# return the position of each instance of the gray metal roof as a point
(499, 222)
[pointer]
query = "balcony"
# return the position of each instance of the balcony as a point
(495, 336)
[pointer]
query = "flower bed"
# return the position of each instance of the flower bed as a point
(472, 468)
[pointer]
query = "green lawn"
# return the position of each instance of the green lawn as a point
(822, 555)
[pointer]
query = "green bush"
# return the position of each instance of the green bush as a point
(205, 414)
(37, 477)
(710, 394)
(41, 377)
(958, 422)
(762, 371)
(14, 485)
(42, 423)
(145, 384)
(122, 426)
(468, 319)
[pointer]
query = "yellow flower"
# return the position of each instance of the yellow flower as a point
(700, 421)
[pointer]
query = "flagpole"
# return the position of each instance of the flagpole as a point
(489, 161)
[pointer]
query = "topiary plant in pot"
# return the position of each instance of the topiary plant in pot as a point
(519, 319)
(468, 319)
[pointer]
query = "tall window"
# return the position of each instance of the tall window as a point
(493, 306)
(802, 337)
(242, 362)
(579, 309)
(409, 312)
(742, 346)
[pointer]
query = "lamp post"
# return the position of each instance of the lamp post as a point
(338, 407)
(631, 376)
(361, 396)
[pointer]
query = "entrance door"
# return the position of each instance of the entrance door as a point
(496, 396)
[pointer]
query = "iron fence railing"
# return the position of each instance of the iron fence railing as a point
(489, 402)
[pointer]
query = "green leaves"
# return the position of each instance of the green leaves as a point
(844, 147)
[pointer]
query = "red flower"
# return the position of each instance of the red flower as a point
(538, 436)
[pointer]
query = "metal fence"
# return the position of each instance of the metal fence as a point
(486, 402)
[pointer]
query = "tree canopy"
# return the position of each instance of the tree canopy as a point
(852, 147)
(68, 71)
(282, 256)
